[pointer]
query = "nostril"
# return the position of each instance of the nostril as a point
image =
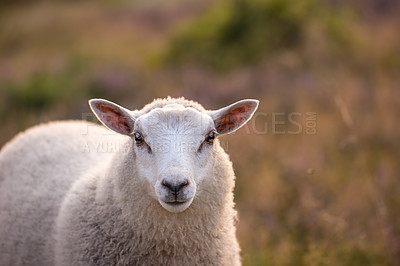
(167, 184)
(175, 188)
(181, 185)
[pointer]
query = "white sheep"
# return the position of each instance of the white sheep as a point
(157, 193)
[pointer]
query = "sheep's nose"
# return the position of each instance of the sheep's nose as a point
(175, 188)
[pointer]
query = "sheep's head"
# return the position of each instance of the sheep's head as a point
(174, 145)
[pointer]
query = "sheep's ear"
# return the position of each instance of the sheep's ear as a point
(234, 116)
(113, 116)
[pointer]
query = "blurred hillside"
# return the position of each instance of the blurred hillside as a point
(318, 173)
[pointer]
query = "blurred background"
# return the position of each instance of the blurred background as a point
(318, 174)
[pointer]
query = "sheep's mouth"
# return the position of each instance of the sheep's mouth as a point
(176, 205)
(176, 202)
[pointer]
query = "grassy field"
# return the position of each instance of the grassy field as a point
(318, 168)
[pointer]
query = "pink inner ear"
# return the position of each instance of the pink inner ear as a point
(233, 118)
(113, 117)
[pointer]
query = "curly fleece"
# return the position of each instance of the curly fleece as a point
(67, 200)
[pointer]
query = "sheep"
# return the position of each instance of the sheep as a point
(156, 189)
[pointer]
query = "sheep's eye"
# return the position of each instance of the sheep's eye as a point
(210, 137)
(138, 138)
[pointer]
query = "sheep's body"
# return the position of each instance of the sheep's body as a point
(66, 198)
(36, 170)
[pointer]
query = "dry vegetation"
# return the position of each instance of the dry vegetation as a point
(324, 198)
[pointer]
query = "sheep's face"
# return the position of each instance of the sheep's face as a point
(174, 145)
(174, 151)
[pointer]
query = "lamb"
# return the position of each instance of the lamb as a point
(156, 190)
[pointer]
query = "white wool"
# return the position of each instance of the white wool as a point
(75, 193)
